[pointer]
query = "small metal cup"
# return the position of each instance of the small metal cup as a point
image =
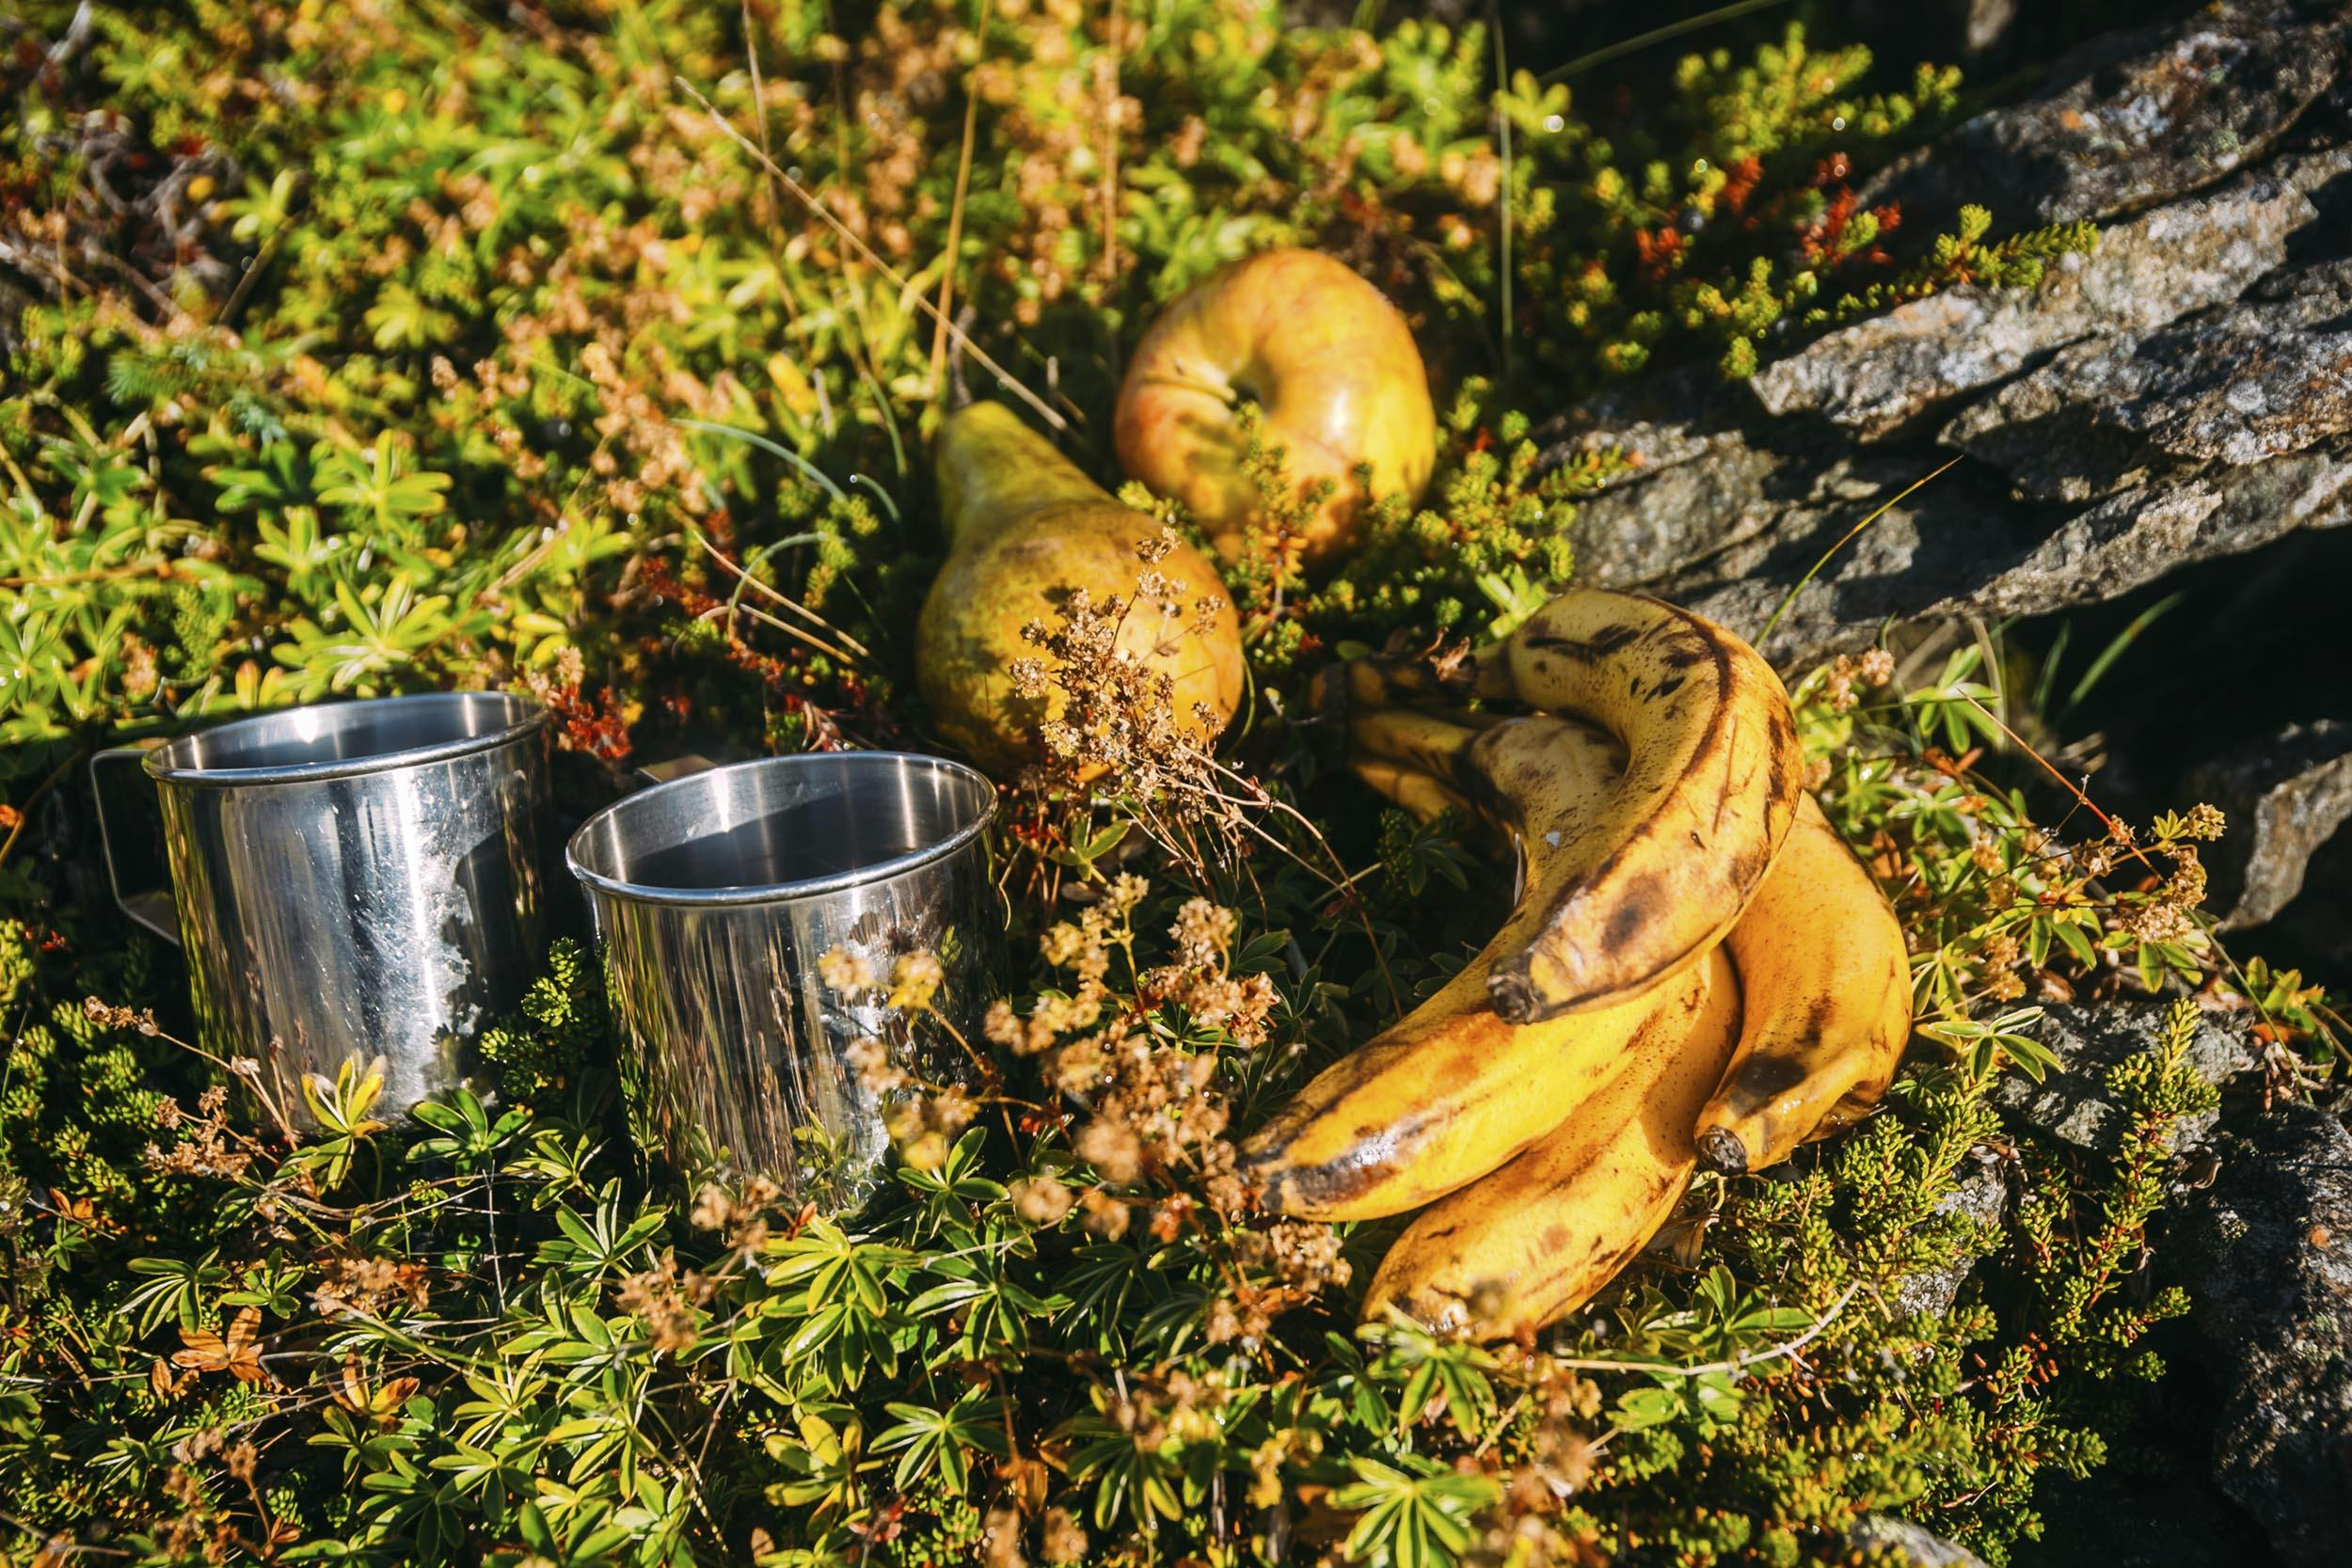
(351, 880)
(714, 897)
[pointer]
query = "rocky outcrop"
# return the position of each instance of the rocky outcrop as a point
(2181, 393)
(1919, 1546)
(2231, 387)
(2137, 118)
(2268, 1254)
(1879, 375)
(2283, 799)
(2070, 1102)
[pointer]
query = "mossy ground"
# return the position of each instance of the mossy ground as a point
(363, 348)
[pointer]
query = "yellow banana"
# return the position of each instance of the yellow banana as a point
(1453, 1090)
(1821, 963)
(1828, 986)
(1538, 1237)
(1426, 798)
(1633, 894)
(1436, 744)
(1439, 1101)
(1542, 772)
(1385, 680)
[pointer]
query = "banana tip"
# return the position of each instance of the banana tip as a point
(1720, 1150)
(1271, 1187)
(1513, 995)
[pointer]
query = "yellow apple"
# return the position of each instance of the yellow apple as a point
(1327, 356)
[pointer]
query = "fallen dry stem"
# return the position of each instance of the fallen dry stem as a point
(865, 253)
(955, 212)
(777, 596)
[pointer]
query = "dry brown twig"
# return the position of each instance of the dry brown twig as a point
(955, 212)
(865, 253)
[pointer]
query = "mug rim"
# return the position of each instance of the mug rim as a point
(532, 716)
(774, 893)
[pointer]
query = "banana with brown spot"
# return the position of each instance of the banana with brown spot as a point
(1827, 979)
(1453, 1090)
(1636, 892)
(1439, 1101)
(1541, 1235)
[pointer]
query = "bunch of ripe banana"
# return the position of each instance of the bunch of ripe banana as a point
(1697, 969)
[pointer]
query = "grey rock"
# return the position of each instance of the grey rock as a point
(1684, 513)
(1941, 542)
(1922, 1547)
(2133, 538)
(1958, 547)
(2183, 392)
(1982, 1196)
(1732, 536)
(2317, 925)
(2283, 799)
(2329, 280)
(2072, 1100)
(1986, 22)
(2235, 387)
(2051, 442)
(1655, 422)
(1934, 29)
(1877, 376)
(2239, 386)
(2129, 121)
(1696, 482)
(2317, 168)
(2267, 1250)
(2103, 552)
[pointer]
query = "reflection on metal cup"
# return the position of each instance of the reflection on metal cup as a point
(350, 881)
(714, 897)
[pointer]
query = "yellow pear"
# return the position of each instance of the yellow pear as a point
(1025, 526)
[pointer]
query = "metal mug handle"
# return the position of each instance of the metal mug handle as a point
(683, 768)
(153, 907)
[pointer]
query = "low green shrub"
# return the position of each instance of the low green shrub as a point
(367, 347)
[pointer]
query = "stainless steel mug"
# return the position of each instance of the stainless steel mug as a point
(715, 895)
(351, 880)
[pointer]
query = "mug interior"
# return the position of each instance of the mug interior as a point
(783, 827)
(385, 731)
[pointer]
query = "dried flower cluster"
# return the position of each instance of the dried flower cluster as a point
(667, 1301)
(1152, 1104)
(207, 1144)
(1154, 1118)
(1112, 724)
(1847, 672)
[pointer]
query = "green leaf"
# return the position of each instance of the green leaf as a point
(1416, 1518)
